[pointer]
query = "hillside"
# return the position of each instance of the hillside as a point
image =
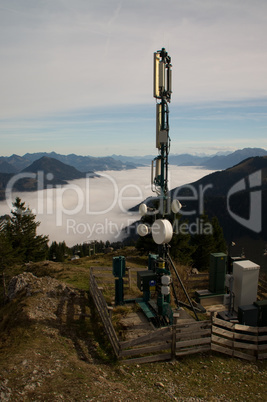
(210, 195)
(250, 239)
(222, 181)
(60, 171)
(5, 167)
(46, 172)
(52, 348)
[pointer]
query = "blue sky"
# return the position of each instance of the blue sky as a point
(76, 75)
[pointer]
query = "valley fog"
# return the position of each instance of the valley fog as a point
(96, 208)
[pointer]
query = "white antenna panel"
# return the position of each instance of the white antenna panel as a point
(156, 75)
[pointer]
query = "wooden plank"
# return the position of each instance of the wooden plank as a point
(148, 359)
(101, 269)
(262, 347)
(222, 323)
(191, 351)
(203, 332)
(144, 350)
(242, 345)
(262, 356)
(251, 338)
(246, 328)
(244, 356)
(105, 281)
(193, 342)
(138, 342)
(152, 336)
(223, 332)
(221, 349)
(194, 325)
(221, 341)
(262, 329)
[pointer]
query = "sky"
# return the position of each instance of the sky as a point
(76, 76)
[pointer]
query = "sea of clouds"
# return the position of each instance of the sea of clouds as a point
(96, 208)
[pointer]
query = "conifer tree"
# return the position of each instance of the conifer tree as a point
(210, 241)
(181, 247)
(21, 232)
(204, 245)
(218, 237)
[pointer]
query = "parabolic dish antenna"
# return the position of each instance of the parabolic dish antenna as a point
(162, 231)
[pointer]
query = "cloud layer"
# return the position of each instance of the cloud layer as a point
(96, 209)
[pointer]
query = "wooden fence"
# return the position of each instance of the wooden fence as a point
(193, 337)
(167, 343)
(158, 344)
(103, 311)
(237, 340)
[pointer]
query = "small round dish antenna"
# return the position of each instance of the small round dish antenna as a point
(142, 230)
(142, 209)
(176, 206)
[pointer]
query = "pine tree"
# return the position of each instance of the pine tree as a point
(181, 247)
(218, 237)
(210, 241)
(21, 232)
(204, 245)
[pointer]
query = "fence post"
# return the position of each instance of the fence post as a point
(257, 351)
(129, 277)
(174, 326)
(110, 311)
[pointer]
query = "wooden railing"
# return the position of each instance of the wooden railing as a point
(245, 342)
(193, 337)
(158, 344)
(103, 311)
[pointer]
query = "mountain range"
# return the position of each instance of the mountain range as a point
(53, 172)
(85, 164)
(218, 161)
(16, 163)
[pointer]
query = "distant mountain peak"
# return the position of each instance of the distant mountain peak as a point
(60, 170)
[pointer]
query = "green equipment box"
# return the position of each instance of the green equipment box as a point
(217, 272)
(118, 266)
(146, 280)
